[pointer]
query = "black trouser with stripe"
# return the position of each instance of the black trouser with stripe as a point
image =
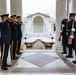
(13, 48)
(19, 45)
(4, 54)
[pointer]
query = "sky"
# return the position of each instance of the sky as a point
(42, 6)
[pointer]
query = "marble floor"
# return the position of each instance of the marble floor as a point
(40, 59)
(39, 62)
(37, 74)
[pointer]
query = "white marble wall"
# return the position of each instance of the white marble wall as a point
(47, 25)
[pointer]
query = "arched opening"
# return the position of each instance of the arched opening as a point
(38, 24)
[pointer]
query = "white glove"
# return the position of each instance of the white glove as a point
(60, 31)
(71, 36)
(63, 25)
(73, 29)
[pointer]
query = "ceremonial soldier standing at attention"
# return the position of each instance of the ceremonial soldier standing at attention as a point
(71, 35)
(63, 33)
(5, 41)
(19, 34)
(14, 36)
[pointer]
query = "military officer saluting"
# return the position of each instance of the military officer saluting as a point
(14, 36)
(19, 34)
(5, 41)
(63, 33)
(71, 35)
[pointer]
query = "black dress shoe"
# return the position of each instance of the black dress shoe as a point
(4, 68)
(74, 62)
(19, 53)
(8, 65)
(63, 53)
(68, 56)
(14, 58)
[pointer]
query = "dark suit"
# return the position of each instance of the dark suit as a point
(14, 37)
(19, 36)
(64, 36)
(73, 45)
(5, 41)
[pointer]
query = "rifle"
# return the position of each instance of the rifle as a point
(72, 34)
(60, 37)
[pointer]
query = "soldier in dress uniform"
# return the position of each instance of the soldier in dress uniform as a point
(19, 34)
(71, 35)
(63, 33)
(14, 36)
(5, 41)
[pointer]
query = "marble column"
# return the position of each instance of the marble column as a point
(3, 7)
(60, 14)
(74, 6)
(16, 7)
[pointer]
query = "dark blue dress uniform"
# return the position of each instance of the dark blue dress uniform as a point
(14, 37)
(19, 37)
(64, 36)
(73, 45)
(5, 42)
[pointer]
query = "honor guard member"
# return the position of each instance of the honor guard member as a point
(5, 41)
(63, 33)
(14, 36)
(71, 35)
(19, 34)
